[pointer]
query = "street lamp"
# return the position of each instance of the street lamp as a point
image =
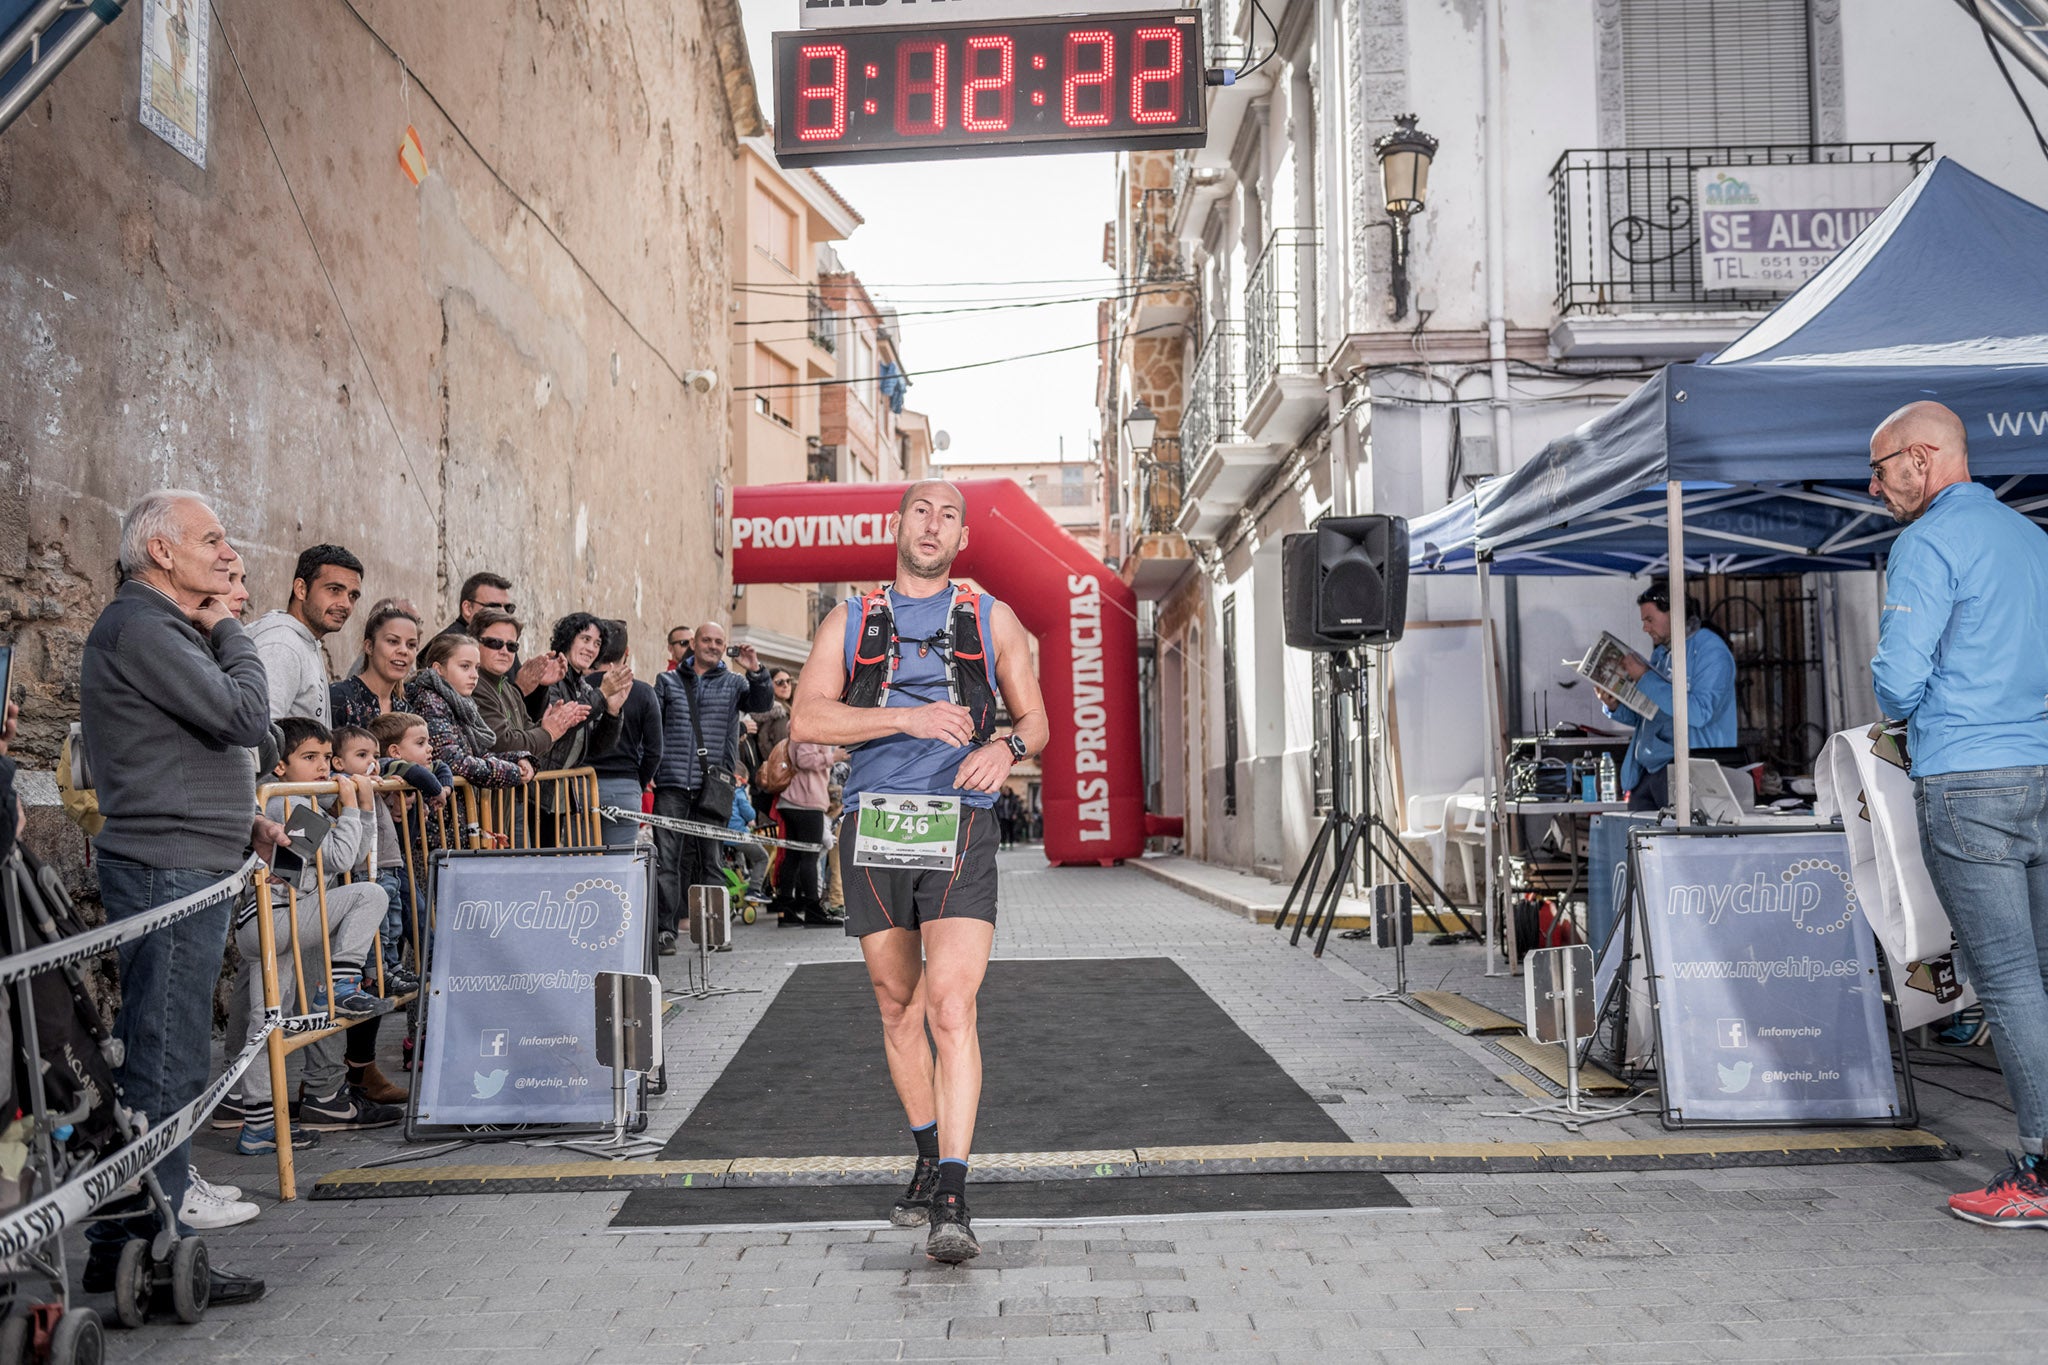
(1404, 157)
(1141, 427)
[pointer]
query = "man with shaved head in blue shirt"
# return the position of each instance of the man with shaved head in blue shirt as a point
(1962, 657)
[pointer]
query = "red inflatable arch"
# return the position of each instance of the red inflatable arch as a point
(1084, 616)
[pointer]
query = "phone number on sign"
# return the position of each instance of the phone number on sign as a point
(1729, 272)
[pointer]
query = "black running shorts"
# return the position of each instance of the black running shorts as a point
(880, 898)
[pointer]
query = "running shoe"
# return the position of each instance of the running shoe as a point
(665, 943)
(348, 1108)
(260, 1139)
(397, 981)
(913, 1208)
(952, 1237)
(206, 1208)
(1966, 1028)
(232, 1112)
(352, 1001)
(2017, 1197)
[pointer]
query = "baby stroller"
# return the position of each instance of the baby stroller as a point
(65, 1109)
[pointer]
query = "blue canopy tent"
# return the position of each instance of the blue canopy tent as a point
(1757, 459)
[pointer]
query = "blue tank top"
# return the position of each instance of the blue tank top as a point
(903, 763)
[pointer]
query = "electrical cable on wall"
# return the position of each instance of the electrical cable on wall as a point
(945, 369)
(517, 197)
(368, 370)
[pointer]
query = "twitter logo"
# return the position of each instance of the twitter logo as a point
(487, 1086)
(1733, 1078)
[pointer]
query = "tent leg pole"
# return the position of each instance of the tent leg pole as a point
(1496, 832)
(1681, 729)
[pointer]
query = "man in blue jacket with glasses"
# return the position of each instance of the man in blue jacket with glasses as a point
(1962, 657)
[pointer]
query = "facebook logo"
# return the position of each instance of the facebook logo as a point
(496, 1041)
(1732, 1033)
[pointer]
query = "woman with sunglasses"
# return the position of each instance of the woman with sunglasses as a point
(500, 700)
(391, 642)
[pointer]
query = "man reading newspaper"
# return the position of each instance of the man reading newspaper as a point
(1710, 698)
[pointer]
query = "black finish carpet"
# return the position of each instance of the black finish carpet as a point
(1121, 1197)
(1076, 1054)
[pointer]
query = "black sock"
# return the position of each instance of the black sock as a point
(927, 1139)
(952, 1176)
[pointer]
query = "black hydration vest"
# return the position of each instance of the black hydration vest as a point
(877, 649)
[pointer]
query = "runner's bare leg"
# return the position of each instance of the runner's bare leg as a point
(896, 969)
(955, 961)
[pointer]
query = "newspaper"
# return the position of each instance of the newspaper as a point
(1602, 667)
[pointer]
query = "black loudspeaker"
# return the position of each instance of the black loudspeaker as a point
(1345, 583)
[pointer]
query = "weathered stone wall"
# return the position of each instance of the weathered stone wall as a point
(480, 386)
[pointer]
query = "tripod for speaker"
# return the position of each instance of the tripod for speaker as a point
(1347, 838)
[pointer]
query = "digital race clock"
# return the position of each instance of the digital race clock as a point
(949, 90)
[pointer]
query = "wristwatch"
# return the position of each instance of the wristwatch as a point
(1017, 748)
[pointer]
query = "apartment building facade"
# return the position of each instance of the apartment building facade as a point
(1305, 353)
(785, 349)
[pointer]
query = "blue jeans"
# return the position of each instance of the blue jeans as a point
(1985, 835)
(166, 1017)
(624, 793)
(396, 932)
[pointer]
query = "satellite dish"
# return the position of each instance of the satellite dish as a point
(942, 440)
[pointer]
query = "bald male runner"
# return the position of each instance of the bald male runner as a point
(909, 678)
(1962, 657)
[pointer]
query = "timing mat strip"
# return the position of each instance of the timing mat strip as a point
(1691, 1151)
(1455, 1011)
(1547, 1059)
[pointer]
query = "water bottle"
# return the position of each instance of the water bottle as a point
(1608, 789)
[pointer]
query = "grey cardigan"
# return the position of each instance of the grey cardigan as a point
(169, 717)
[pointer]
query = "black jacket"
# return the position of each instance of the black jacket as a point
(638, 752)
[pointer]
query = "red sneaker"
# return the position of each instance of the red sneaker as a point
(2017, 1197)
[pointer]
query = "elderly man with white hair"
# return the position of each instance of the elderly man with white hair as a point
(173, 698)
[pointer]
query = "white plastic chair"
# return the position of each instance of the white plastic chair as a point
(1438, 820)
(1465, 828)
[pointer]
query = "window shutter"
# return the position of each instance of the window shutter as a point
(1715, 72)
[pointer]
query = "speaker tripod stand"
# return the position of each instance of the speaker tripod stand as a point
(1347, 839)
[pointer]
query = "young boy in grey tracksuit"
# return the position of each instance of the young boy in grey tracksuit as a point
(354, 912)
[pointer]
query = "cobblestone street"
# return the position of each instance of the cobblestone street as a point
(1844, 1262)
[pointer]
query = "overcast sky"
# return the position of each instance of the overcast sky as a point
(948, 234)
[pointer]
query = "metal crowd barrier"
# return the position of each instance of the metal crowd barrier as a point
(556, 809)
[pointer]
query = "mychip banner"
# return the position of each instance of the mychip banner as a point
(509, 1033)
(1769, 1002)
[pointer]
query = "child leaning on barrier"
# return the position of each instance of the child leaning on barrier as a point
(399, 748)
(354, 911)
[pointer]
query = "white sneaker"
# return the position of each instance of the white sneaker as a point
(200, 1182)
(205, 1209)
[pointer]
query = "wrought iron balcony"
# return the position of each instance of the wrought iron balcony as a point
(824, 324)
(1183, 173)
(1279, 307)
(1160, 487)
(1627, 232)
(1155, 252)
(1215, 404)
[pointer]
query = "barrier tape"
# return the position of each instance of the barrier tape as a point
(722, 833)
(73, 1201)
(91, 944)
